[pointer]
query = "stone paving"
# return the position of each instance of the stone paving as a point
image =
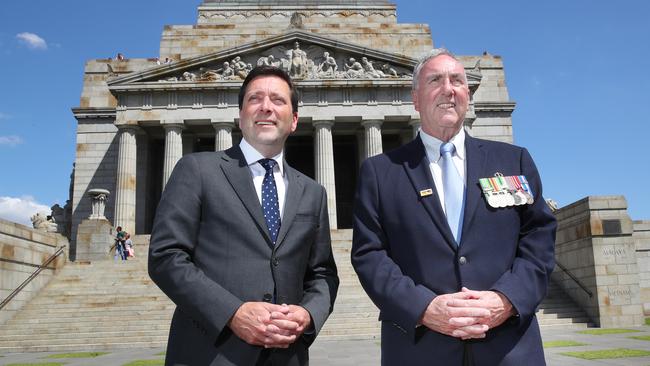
(366, 352)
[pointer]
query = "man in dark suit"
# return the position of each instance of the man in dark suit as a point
(241, 243)
(456, 280)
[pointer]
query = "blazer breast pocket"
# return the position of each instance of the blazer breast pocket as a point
(306, 218)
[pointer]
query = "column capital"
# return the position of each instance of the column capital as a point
(172, 123)
(323, 123)
(367, 123)
(129, 127)
(219, 124)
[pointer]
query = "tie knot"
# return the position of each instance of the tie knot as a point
(447, 147)
(268, 164)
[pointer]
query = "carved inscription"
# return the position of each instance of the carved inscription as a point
(620, 295)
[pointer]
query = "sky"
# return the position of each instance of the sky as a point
(577, 69)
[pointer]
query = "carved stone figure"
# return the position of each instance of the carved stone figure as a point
(389, 71)
(298, 66)
(327, 68)
(188, 76)
(43, 223)
(240, 68)
(353, 70)
(269, 61)
(369, 69)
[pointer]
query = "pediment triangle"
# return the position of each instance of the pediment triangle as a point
(304, 55)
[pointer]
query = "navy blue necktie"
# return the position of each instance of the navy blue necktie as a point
(270, 204)
(454, 189)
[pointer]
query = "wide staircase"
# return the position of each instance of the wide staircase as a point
(114, 304)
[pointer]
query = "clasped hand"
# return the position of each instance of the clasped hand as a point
(467, 314)
(269, 325)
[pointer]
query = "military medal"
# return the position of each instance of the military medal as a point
(527, 191)
(508, 198)
(503, 191)
(488, 191)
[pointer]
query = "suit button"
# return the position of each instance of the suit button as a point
(267, 298)
(276, 262)
(462, 260)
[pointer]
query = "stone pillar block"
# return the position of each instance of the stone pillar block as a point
(94, 240)
(595, 244)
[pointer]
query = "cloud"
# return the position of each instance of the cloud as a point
(4, 116)
(21, 209)
(32, 40)
(10, 140)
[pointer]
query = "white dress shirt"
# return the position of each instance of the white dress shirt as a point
(432, 147)
(252, 157)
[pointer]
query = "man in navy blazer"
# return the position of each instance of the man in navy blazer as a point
(445, 301)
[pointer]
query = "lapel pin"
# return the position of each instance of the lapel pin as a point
(426, 192)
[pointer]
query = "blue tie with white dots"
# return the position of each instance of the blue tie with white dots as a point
(270, 204)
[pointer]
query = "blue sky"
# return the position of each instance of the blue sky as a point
(578, 71)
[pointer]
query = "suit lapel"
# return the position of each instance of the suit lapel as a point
(476, 159)
(417, 168)
(238, 175)
(292, 197)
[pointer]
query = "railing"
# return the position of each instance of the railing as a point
(574, 278)
(32, 276)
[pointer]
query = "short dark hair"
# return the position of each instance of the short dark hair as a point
(269, 71)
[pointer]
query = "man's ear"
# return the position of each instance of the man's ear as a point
(414, 96)
(294, 123)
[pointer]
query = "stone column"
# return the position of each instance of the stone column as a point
(173, 148)
(126, 178)
(372, 137)
(415, 124)
(223, 135)
(324, 156)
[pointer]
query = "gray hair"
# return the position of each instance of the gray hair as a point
(424, 59)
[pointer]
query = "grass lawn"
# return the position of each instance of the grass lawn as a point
(551, 344)
(608, 331)
(77, 355)
(647, 321)
(608, 353)
(145, 363)
(643, 338)
(161, 353)
(36, 364)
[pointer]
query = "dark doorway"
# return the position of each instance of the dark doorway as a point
(299, 153)
(346, 156)
(154, 180)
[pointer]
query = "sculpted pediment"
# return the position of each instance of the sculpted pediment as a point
(303, 55)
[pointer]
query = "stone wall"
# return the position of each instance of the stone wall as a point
(641, 238)
(22, 249)
(595, 244)
(223, 26)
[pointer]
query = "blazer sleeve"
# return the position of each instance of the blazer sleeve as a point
(526, 283)
(321, 281)
(173, 239)
(399, 298)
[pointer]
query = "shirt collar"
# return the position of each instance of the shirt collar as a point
(432, 145)
(252, 156)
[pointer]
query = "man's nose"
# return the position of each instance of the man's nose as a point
(447, 87)
(265, 105)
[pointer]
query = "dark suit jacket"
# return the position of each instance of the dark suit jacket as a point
(405, 254)
(210, 251)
